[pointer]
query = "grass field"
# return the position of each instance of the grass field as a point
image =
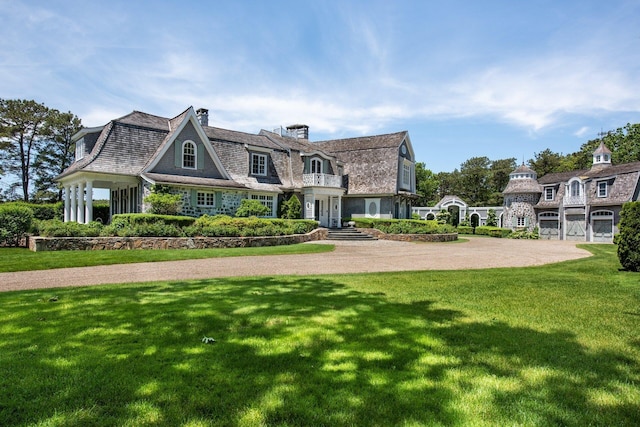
(538, 346)
(21, 259)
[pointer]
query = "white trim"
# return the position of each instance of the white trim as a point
(195, 154)
(606, 189)
(190, 117)
(257, 148)
(266, 164)
(553, 193)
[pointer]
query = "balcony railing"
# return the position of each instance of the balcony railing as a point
(574, 200)
(321, 180)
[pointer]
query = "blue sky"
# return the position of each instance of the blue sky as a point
(470, 78)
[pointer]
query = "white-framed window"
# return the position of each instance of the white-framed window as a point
(406, 174)
(575, 189)
(79, 149)
(316, 166)
(258, 164)
(602, 189)
(206, 199)
(265, 199)
(548, 193)
(521, 221)
(188, 155)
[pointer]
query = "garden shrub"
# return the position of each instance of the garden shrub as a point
(404, 226)
(465, 229)
(250, 207)
(492, 231)
(162, 201)
(57, 228)
(292, 209)
(524, 234)
(15, 222)
(629, 240)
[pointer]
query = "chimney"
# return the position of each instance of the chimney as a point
(298, 131)
(203, 116)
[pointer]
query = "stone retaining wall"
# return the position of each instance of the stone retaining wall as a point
(37, 243)
(410, 237)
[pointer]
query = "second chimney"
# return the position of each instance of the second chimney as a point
(203, 116)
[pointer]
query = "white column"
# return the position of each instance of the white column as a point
(88, 211)
(74, 200)
(81, 203)
(66, 203)
(339, 211)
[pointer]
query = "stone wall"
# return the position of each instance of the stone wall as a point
(37, 243)
(410, 237)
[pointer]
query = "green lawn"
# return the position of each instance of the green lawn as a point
(21, 259)
(538, 346)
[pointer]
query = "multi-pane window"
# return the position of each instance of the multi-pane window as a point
(316, 166)
(548, 193)
(206, 198)
(406, 175)
(258, 164)
(79, 149)
(602, 189)
(265, 200)
(520, 221)
(189, 155)
(576, 189)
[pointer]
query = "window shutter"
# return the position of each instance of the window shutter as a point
(194, 197)
(200, 156)
(325, 166)
(218, 199)
(178, 153)
(526, 221)
(307, 165)
(514, 221)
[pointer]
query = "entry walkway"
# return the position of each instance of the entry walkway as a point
(348, 257)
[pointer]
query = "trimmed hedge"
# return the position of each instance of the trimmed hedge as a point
(57, 228)
(485, 230)
(404, 226)
(15, 222)
(629, 240)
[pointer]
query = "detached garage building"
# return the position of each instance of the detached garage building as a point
(581, 205)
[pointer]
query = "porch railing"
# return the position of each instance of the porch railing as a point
(574, 200)
(321, 180)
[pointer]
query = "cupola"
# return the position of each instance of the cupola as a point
(602, 156)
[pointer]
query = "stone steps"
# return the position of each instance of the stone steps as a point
(348, 234)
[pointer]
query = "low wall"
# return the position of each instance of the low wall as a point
(37, 243)
(410, 237)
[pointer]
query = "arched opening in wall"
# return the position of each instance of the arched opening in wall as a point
(475, 220)
(548, 226)
(430, 216)
(501, 220)
(455, 215)
(602, 226)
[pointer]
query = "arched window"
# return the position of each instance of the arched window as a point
(576, 189)
(188, 155)
(316, 166)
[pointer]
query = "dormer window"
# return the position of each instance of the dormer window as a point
(548, 193)
(258, 164)
(602, 189)
(188, 155)
(316, 166)
(575, 189)
(79, 149)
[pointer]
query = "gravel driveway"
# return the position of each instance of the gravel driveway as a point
(348, 257)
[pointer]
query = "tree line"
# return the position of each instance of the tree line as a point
(35, 146)
(480, 181)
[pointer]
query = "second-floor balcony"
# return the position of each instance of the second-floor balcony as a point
(574, 200)
(321, 180)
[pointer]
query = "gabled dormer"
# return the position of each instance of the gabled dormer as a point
(186, 150)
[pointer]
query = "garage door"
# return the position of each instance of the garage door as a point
(549, 229)
(603, 230)
(576, 229)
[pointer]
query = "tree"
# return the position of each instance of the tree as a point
(449, 183)
(426, 185)
(629, 238)
(475, 179)
(492, 220)
(546, 162)
(162, 201)
(56, 155)
(292, 209)
(499, 179)
(22, 131)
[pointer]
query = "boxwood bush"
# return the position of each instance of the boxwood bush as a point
(485, 230)
(57, 228)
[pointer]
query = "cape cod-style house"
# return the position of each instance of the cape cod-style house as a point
(214, 169)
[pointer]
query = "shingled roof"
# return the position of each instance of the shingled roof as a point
(371, 162)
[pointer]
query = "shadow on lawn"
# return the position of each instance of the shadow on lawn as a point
(289, 351)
